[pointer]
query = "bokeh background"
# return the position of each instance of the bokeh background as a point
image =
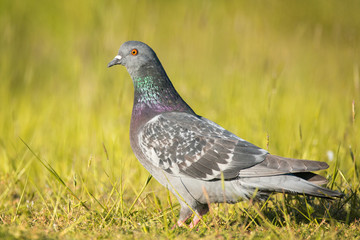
(283, 75)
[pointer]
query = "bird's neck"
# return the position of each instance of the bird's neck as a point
(154, 93)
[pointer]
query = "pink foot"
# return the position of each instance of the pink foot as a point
(195, 221)
(179, 223)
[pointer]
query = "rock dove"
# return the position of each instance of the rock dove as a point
(195, 158)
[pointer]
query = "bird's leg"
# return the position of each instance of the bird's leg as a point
(185, 213)
(180, 223)
(195, 221)
(200, 211)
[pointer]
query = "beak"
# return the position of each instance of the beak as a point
(115, 61)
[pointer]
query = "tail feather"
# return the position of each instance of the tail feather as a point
(289, 175)
(289, 183)
(312, 177)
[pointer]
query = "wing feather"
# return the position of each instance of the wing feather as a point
(275, 165)
(186, 144)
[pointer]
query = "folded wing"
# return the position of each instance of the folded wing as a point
(185, 144)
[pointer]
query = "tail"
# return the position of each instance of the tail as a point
(279, 174)
(288, 183)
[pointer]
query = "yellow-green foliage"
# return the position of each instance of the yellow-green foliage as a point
(282, 75)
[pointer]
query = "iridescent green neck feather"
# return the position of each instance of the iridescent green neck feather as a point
(146, 90)
(156, 94)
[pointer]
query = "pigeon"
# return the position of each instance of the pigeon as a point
(199, 161)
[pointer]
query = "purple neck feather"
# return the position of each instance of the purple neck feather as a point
(154, 94)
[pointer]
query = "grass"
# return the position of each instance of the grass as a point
(285, 77)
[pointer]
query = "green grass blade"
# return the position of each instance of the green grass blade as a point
(55, 174)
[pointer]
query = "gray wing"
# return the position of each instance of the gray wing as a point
(184, 144)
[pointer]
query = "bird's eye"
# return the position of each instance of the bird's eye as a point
(134, 52)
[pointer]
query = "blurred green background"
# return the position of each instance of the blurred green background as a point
(283, 75)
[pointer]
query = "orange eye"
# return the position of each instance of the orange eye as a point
(134, 52)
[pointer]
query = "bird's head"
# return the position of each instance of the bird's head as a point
(133, 55)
